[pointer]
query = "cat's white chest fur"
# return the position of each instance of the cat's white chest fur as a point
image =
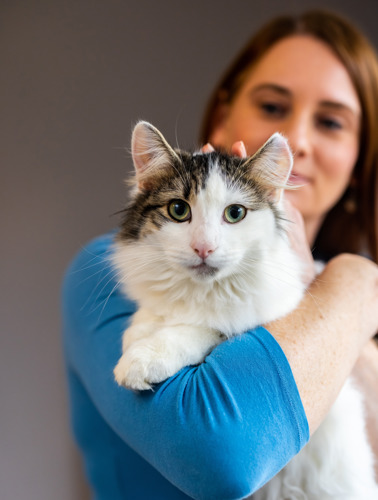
(206, 257)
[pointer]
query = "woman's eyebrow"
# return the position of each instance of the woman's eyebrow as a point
(340, 106)
(272, 86)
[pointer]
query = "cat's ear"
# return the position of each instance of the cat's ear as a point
(151, 153)
(271, 166)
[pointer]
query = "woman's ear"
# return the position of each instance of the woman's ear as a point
(218, 131)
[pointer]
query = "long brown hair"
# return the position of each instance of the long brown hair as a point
(348, 227)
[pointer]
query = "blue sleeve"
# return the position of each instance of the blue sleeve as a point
(216, 431)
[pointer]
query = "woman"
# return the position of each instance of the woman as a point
(329, 112)
(224, 428)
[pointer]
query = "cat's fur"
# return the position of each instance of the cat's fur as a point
(203, 280)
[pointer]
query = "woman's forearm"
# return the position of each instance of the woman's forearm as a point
(325, 335)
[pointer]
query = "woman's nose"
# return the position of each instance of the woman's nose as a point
(299, 132)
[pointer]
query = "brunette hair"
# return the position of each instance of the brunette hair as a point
(348, 227)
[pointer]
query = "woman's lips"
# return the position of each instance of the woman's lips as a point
(298, 179)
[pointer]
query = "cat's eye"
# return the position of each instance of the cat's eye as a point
(179, 210)
(234, 213)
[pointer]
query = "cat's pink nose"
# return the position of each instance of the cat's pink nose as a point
(203, 250)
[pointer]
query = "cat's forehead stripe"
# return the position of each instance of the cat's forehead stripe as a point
(228, 179)
(201, 166)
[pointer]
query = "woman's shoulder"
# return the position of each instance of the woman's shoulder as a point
(91, 257)
(91, 283)
(100, 246)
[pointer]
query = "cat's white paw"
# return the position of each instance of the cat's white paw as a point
(136, 332)
(143, 364)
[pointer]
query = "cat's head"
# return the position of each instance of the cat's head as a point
(204, 215)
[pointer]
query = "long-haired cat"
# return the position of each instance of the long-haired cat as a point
(204, 251)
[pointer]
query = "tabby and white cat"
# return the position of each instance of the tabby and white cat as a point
(204, 251)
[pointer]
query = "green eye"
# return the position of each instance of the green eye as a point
(234, 213)
(179, 210)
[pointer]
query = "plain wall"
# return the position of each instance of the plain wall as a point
(75, 76)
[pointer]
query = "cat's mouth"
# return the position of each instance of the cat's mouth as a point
(204, 270)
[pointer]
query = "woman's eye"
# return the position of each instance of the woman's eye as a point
(272, 109)
(234, 213)
(329, 123)
(179, 210)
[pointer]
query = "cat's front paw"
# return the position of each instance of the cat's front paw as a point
(142, 365)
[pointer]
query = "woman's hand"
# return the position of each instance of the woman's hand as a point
(237, 149)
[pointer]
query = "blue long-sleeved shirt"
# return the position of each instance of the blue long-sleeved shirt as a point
(215, 431)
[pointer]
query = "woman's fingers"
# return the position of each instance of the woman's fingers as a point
(207, 148)
(237, 149)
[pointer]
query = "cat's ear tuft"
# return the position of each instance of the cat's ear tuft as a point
(271, 166)
(151, 153)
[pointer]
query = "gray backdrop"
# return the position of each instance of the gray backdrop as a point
(74, 76)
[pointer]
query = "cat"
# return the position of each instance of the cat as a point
(190, 280)
(204, 251)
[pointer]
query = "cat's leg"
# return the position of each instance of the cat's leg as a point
(143, 324)
(156, 357)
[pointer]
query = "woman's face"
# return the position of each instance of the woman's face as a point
(302, 90)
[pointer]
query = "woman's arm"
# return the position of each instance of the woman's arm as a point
(325, 335)
(224, 428)
(218, 430)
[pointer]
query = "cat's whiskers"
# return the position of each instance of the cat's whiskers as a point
(97, 285)
(110, 273)
(141, 268)
(97, 256)
(315, 299)
(113, 275)
(117, 285)
(101, 259)
(144, 269)
(103, 303)
(96, 264)
(289, 271)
